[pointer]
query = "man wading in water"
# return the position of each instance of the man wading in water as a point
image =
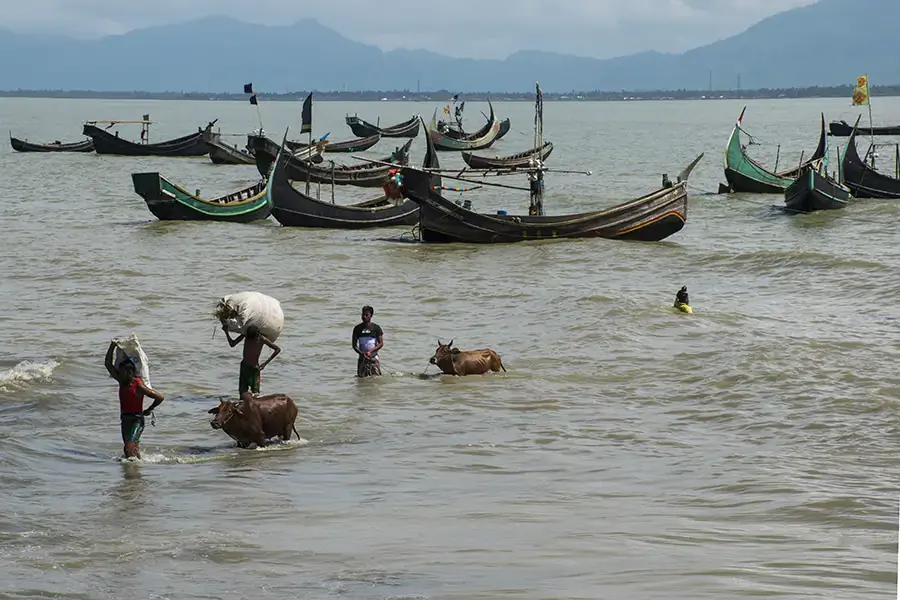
(250, 368)
(132, 390)
(368, 338)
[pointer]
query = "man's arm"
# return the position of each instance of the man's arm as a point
(232, 342)
(354, 340)
(275, 350)
(113, 372)
(148, 391)
(380, 340)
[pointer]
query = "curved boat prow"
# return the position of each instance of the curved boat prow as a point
(683, 176)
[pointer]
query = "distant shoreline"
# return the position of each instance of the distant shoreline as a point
(844, 91)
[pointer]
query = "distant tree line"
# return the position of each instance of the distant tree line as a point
(838, 91)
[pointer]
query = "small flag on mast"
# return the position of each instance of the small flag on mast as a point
(306, 126)
(248, 88)
(147, 117)
(861, 91)
(253, 100)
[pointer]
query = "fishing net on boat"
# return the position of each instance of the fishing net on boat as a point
(238, 312)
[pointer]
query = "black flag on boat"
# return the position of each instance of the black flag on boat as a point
(306, 127)
(248, 88)
(253, 100)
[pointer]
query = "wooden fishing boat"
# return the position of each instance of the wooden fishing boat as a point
(57, 146)
(456, 132)
(357, 145)
(293, 208)
(483, 138)
(107, 143)
(844, 129)
(362, 175)
(362, 128)
(514, 161)
(863, 180)
(815, 190)
(265, 150)
(745, 174)
(652, 217)
(170, 202)
(504, 129)
(221, 153)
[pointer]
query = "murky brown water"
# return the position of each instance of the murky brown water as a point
(629, 452)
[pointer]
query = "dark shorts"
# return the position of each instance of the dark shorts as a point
(249, 378)
(366, 367)
(132, 427)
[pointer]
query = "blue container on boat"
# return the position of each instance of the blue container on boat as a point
(501, 212)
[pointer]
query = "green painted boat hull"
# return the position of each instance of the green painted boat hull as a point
(170, 202)
(745, 175)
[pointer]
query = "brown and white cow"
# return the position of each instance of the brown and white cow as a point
(451, 361)
(254, 420)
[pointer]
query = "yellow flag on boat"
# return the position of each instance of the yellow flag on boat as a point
(447, 110)
(861, 91)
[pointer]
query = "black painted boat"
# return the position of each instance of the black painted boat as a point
(815, 190)
(514, 161)
(293, 208)
(844, 129)
(443, 138)
(171, 202)
(221, 153)
(863, 180)
(357, 145)
(362, 175)
(57, 146)
(107, 143)
(265, 150)
(362, 128)
(746, 175)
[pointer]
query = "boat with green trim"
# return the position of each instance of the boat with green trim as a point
(745, 174)
(171, 202)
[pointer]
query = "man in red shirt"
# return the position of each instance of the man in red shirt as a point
(132, 390)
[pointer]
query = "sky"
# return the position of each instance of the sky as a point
(461, 28)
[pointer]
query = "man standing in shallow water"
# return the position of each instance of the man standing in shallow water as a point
(254, 340)
(367, 340)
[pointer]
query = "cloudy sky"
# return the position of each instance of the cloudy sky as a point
(471, 28)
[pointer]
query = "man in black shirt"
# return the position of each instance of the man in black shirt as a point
(368, 338)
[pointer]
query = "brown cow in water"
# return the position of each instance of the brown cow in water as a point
(451, 361)
(254, 420)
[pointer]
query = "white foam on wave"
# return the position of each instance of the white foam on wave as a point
(158, 458)
(27, 372)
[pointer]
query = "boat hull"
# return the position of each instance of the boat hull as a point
(862, 180)
(106, 143)
(653, 217)
(363, 129)
(515, 161)
(844, 129)
(26, 146)
(170, 202)
(745, 175)
(814, 191)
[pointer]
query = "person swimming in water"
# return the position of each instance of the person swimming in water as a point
(249, 376)
(132, 390)
(682, 300)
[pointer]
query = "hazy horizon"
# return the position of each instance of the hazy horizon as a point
(596, 28)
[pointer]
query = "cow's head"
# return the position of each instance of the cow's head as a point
(224, 412)
(443, 352)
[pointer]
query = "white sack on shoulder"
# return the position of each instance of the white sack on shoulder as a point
(130, 348)
(254, 309)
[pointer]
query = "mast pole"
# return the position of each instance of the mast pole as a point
(871, 125)
(536, 177)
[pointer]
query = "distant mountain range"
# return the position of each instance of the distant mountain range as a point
(830, 42)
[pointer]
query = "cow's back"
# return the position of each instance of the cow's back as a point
(477, 362)
(276, 412)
